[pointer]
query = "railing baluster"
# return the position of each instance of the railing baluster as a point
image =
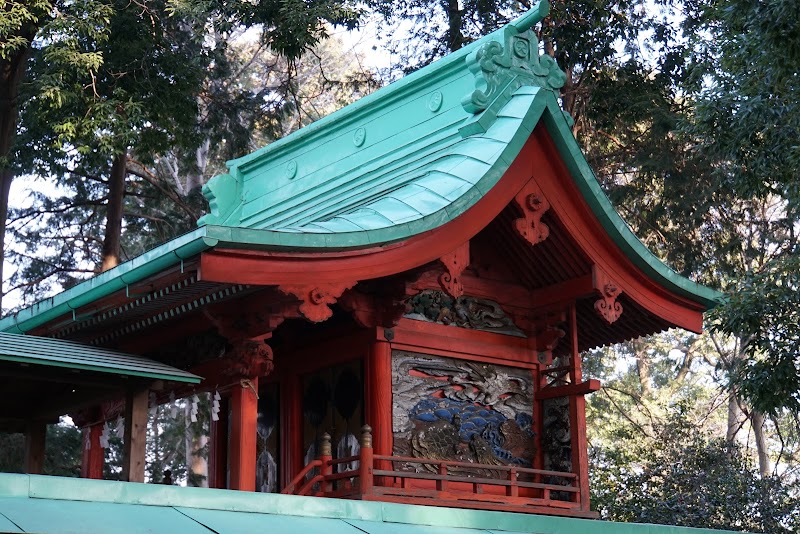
(441, 484)
(365, 463)
(513, 489)
(326, 469)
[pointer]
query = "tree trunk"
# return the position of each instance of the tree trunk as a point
(6, 177)
(455, 39)
(157, 466)
(757, 419)
(12, 70)
(195, 179)
(642, 368)
(116, 196)
(199, 465)
(734, 414)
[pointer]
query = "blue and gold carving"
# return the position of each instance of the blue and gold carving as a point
(449, 409)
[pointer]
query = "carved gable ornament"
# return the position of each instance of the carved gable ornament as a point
(500, 68)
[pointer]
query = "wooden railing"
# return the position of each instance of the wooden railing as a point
(438, 482)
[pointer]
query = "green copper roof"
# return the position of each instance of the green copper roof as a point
(423, 149)
(49, 505)
(33, 350)
(399, 162)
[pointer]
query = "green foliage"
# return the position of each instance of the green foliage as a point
(63, 448)
(289, 27)
(764, 311)
(12, 453)
(748, 110)
(62, 451)
(683, 476)
(743, 75)
(16, 20)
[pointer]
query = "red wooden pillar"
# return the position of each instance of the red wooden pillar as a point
(34, 447)
(379, 410)
(242, 453)
(577, 416)
(538, 417)
(93, 455)
(218, 454)
(292, 452)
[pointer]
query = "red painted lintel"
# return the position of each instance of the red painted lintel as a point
(584, 388)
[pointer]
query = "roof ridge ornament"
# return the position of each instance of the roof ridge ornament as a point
(500, 68)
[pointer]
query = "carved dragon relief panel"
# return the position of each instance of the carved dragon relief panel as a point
(465, 312)
(444, 408)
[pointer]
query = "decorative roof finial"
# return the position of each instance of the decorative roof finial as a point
(500, 68)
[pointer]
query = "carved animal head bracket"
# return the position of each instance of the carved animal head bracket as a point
(533, 204)
(607, 305)
(315, 300)
(454, 263)
(250, 358)
(504, 65)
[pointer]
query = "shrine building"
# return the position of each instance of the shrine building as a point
(390, 305)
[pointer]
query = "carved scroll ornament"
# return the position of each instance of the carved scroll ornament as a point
(500, 69)
(533, 204)
(315, 300)
(454, 263)
(608, 306)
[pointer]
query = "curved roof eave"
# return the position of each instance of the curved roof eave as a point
(614, 225)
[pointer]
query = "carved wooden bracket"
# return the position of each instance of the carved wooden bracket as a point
(454, 263)
(244, 324)
(315, 300)
(533, 204)
(372, 310)
(607, 305)
(250, 358)
(254, 316)
(543, 332)
(547, 339)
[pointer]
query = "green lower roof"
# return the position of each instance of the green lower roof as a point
(56, 505)
(42, 351)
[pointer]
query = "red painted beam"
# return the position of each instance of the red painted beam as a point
(584, 388)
